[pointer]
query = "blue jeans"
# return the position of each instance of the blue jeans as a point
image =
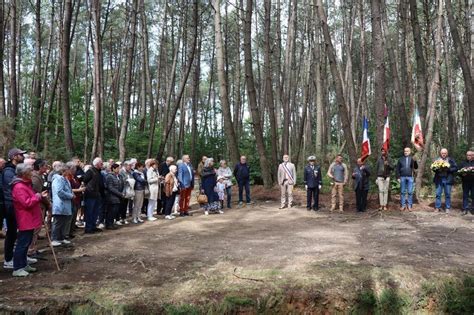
(467, 191)
(406, 188)
(244, 184)
(93, 206)
(440, 187)
(23, 241)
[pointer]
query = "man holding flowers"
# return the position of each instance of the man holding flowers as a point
(466, 171)
(444, 168)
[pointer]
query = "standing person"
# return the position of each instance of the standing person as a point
(313, 183)
(170, 191)
(163, 170)
(15, 157)
(226, 173)
(27, 211)
(384, 168)
(2, 199)
(39, 185)
(405, 170)
(444, 180)
(93, 195)
(467, 183)
(140, 183)
(113, 196)
(186, 182)
(208, 184)
(339, 174)
(78, 191)
(201, 166)
(62, 204)
(286, 180)
(361, 176)
(153, 179)
(220, 189)
(242, 175)
(126, 203)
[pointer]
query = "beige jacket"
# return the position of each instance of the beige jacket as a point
(282, 173)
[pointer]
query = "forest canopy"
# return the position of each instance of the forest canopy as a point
(139, 78)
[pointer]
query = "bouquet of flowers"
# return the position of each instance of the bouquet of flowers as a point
(465, 171)
(440, 165)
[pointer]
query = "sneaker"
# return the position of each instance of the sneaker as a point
(250, 203)
(240, 203)
(135, 221)
(28, 268)
(169, 217)
(56, 243)
(282, 207)
(8, 264)
(206, 212)
(221, 212)
(66, 242)
(101, 226)
(152, 219)
(125, 222)
(119, 223)
(447, 210)
(464, 212)
(20, 273)
(140, 220)
(31, 260)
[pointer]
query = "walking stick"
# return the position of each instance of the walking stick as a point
(51, 245)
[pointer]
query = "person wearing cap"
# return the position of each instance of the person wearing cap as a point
(15, 157)
(286, 180)
(339, 175)
(313, 182)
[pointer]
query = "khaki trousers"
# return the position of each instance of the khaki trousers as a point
(383, 185)
(286, 191)
(337, 189)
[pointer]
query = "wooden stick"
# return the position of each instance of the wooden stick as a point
(51, 245)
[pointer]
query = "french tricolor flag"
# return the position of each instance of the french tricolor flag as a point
(416, 133)
(366, 150)
(386, 132)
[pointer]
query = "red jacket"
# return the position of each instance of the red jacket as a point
(27, 205)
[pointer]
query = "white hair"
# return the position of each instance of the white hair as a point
(22, 169)
(97, 161)
(208, 161)
(173, 168)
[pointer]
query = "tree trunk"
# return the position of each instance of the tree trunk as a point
(64, 75)
(252, 96)
(337, 81)
(379, 70)
(13, 88)
(2, 56)
(98, 91)
(38, 110)
(435, 83)
(466, 69)
(128, 81)
(223, 84)
(421, 67)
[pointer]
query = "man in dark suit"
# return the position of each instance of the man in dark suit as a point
(312, 182)
(361, 176)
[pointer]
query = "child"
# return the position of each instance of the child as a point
(220, 189)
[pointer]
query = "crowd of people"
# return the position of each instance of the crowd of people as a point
(66, 196)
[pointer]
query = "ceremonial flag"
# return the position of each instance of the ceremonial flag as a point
(386, 132)
(416, 133)
(366, 151)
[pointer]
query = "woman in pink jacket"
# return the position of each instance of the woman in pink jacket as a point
(28, 216)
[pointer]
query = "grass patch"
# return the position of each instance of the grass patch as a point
(182, 309)
(457, 296)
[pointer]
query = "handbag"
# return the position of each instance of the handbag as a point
(202, 199)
